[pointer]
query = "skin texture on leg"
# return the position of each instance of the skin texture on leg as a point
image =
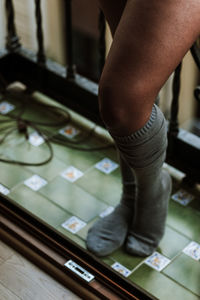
(150, 40)
(109, 233)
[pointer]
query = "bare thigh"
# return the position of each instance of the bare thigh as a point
(151, 39)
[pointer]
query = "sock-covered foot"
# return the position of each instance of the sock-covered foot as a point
(144, 151)
(147, 231)
(109, 233)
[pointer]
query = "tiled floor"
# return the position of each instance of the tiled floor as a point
(63, 197)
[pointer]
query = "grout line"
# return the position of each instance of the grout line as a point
(179, 232)
(55, 204)
(178, 283)
(96, 197)
(43, 196)
(1, 261)
(137, 267)
(5, 260)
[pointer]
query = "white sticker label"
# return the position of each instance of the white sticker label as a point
(70, 264)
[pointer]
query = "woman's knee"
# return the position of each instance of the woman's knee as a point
(120, 101)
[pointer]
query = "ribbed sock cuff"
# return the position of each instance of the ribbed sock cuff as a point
(146, 145)
(150, 128)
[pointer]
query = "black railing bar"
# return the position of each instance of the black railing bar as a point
(102, 42)
(39, 33)
(27, 58)
(173, 125)
(195, 51)
(12, 43)
(68, 38)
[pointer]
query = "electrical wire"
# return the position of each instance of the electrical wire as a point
(22, 124)
(22, 163)
(66, 120)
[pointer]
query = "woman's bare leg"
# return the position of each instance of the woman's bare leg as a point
(149, 42)
(151, 39)
(121, 217)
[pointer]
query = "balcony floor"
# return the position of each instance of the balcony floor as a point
(92, 193)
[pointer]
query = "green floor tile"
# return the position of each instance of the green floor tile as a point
(106, 187)
(35, 112)
(195, 204)
(9, 135)
(27, 153)
(185, 220)
(108, 260)
(79, 159)
(83, 232)
(102, 149)
(111, 153)
(128, 261)
(12, 175)
(73, 199)
(159, 285)
(39, 206)
(172, 243)
(12, 140)
(50, 170)
(185, 271)
(72, 237)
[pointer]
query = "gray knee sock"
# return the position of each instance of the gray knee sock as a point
(144, 151)
(109, 233)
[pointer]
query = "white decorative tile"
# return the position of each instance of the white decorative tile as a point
(36, 139)
(192, 250)
(106, 165)
(71, 174)
(6, 107)
(121, 269)
(157, 261)
(73, 224)
(35, 182)
(182, 197)
(69, 131)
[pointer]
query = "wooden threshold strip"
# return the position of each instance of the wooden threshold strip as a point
(50, 251)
